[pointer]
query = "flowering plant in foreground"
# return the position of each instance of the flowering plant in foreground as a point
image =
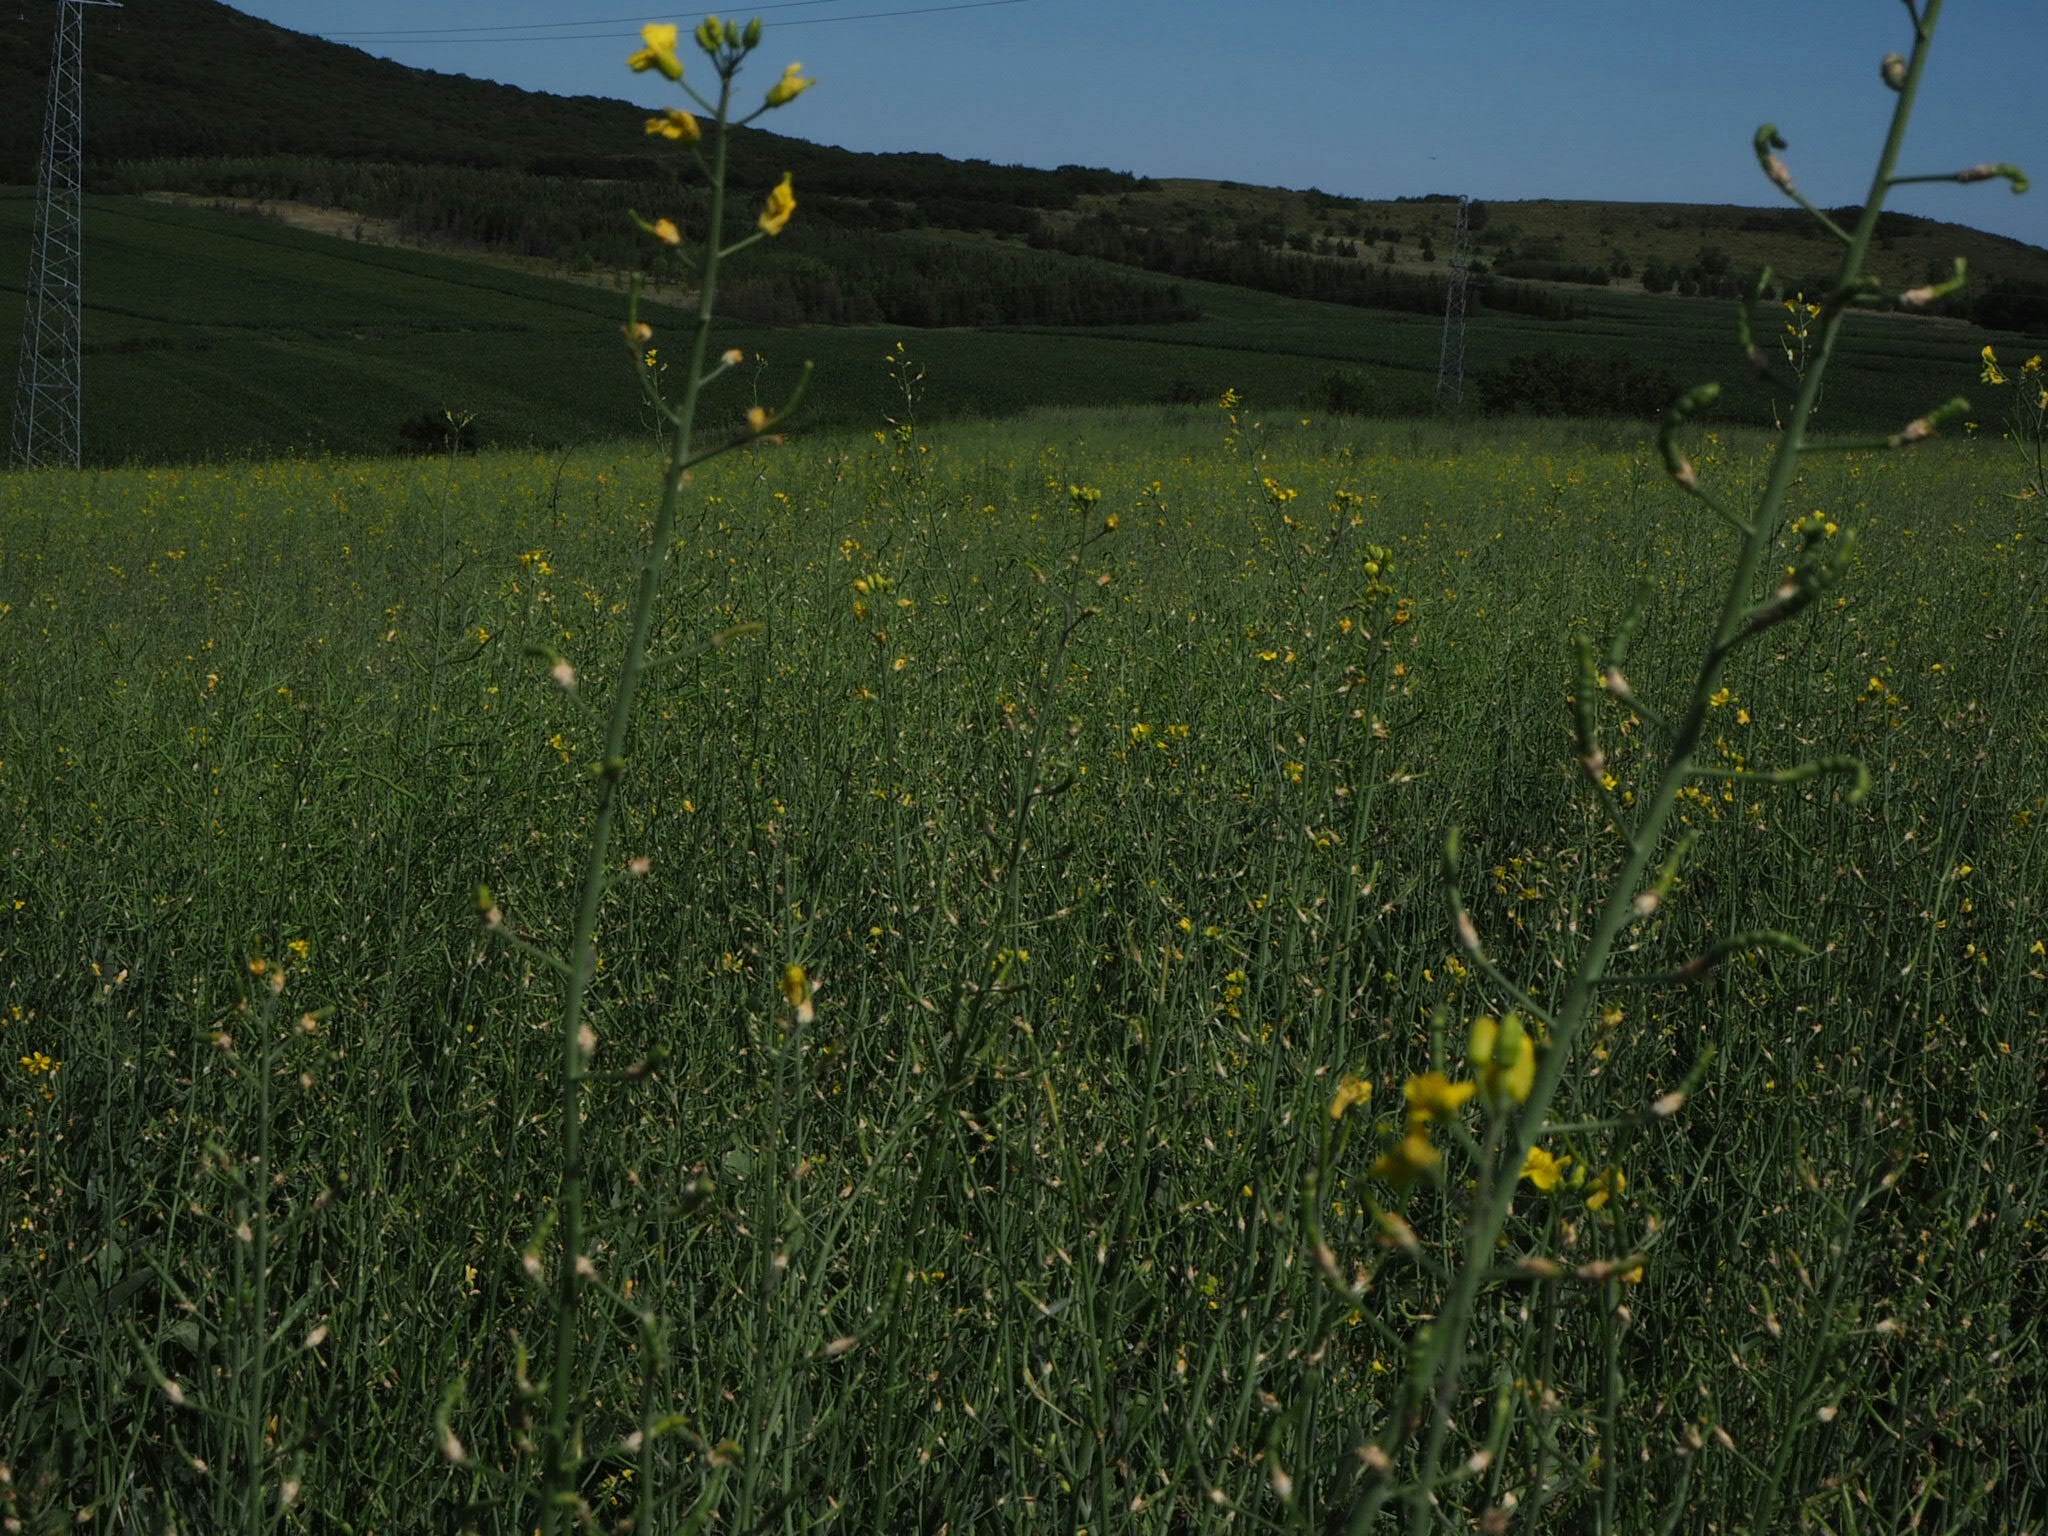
(2026, 418)
(725, 45)
(1521, 1068)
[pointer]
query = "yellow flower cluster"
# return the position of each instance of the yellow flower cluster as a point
(1351, 1089)
(2029, 370)
(1505, 1057)
(789, 87)
(674, 123)
(660, 52)
(780, 205)
(1431, 1096)
(714, 37)
(797, 992)
(1543, 1170)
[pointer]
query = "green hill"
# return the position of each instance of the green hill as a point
(476, 244)
(212, 334)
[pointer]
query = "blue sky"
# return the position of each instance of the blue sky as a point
(1640, 100)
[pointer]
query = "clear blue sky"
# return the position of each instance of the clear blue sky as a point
(1641, 100)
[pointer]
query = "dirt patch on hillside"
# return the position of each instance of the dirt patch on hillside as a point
(342, 224)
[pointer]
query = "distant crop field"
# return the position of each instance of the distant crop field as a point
(1094, 767)
(212, 336)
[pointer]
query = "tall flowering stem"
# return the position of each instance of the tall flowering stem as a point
(1439, 1355)
(726, 44)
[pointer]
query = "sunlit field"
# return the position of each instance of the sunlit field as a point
(1095, 770)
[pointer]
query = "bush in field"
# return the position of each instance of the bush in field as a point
(1557, 383)
(437, 432)
(1345, 392)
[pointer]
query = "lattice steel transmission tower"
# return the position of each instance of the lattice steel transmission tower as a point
(1450, 363)
(46, 383)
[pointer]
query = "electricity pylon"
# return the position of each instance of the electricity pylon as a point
(1450, 363)
(46, 383)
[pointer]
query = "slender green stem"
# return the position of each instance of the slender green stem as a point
(557, 1459)
(1442, 1350)
(257, 1325)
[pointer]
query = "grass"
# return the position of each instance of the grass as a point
(1010, 1236)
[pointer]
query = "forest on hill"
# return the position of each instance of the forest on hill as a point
(194, 97)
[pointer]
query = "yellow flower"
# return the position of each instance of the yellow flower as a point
(780, 205)
(2032, 364)
(660, 52)
(796, 991)
(676, 124)
(1411, 1156)
(1351, 1089)
(1505, 1057)
(1991, 375)
(789, 87)
(1612, 1182)
(1432, 1096)
(666, 232)
(1543, 1170)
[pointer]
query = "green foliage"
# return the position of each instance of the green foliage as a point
(1055, 808)
(2013, 306)
(1346, 392)
(1250, 263)
(1555, 272)
(443, 431)
(1558, 383)
(844, 264)
(284, 702)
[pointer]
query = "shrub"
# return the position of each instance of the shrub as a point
(1554, 383)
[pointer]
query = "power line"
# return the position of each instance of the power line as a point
(551, 26)
(445, 35)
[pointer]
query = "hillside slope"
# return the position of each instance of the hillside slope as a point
(182, 79)
(193, 95)
(212, 334)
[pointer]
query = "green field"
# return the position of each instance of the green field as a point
(211, 336)
(1109, 852)
(1119, 928)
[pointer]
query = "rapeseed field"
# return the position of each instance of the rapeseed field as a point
(1092, 768)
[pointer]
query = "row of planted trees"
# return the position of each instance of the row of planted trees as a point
(851, 263)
